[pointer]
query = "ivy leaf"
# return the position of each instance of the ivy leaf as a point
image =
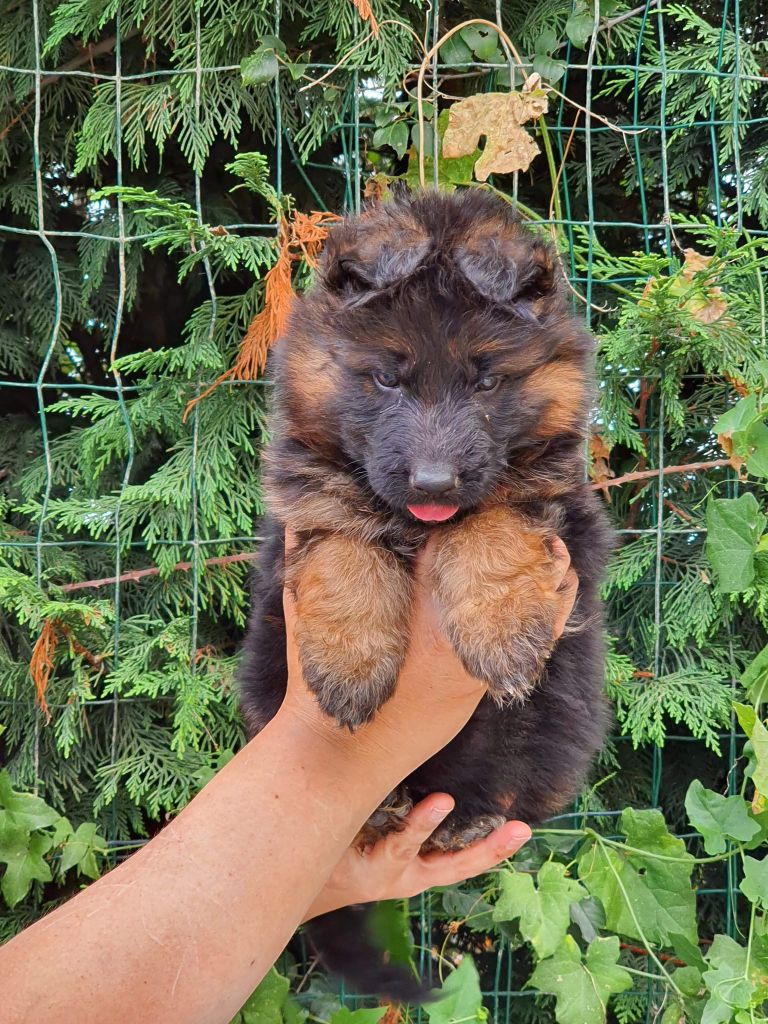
(758, 739)
(271, 1004)
(499, 116)
(455, 51)
(659, 891)
(364, 1015)
(718, 817)
(754, 885)
(393, 135)
(81, 849)
(755, 678)
(470, 908)
(391, 930)
(544, 63)
(579, 26)
(551, 70)
(734, 983)
(734, 526)
(460, 998)
(24, 809)
(262, 66)
(582, 985)
(482, 41)
(588, 915)
(544, 912)
(756, 445)
(23, 853)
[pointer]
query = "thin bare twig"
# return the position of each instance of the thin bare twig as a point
(139, 574)
(649, 474)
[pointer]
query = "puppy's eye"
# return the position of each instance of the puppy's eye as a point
(385, 379)
(488, 383)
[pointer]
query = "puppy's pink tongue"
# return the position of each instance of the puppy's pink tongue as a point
(433, 513)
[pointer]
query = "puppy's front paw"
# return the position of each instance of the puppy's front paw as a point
(506, 653)
(352, 602)
(495, 581)
(351, 689)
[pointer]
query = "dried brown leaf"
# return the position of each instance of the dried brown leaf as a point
(498, 116)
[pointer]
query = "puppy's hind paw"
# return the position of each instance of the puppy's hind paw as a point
(458, 834)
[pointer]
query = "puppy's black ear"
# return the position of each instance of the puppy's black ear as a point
(365, 257)
(508, 271)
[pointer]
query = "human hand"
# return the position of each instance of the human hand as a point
(435, 695)
(394, 868)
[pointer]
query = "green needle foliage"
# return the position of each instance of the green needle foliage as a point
(148, 182)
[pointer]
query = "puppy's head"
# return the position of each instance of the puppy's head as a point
(434, 352)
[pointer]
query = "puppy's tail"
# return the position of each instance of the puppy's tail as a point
(345, 944)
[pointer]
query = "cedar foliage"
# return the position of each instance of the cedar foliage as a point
(116, 701)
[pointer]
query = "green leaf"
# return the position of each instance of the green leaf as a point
(546, 42)
(588, 915)
(644, 897)
(271, 1003)
(455, 51)
(261, 67)
(81, 849)
(390, 925)
(734, 526)
(754, 885)
(755, 678)
(727, 979)
(470, 908)
(29, 811)
(393, 135)
(738, 418)
(362, 1016)
(460, 998)
(544, 911)
(23, 853)
(579, 27)
(758, 739)
(551, 70)
(582, 985)
(756, 449)
(483, 42)
(718, 817)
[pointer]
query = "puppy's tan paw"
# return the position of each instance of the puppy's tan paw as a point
(352, 603)
(494, 577)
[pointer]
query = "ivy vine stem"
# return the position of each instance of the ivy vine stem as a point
(590, 833)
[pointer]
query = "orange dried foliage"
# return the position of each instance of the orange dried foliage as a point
(302, 237)
(365, 11)
(41, 662)
(600, 471)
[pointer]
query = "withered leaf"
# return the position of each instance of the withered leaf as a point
(498, 116)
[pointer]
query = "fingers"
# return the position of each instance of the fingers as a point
(419, 826)
(561, 560)
(449, 868)
(567, 592)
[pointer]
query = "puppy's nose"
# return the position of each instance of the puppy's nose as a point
(434, 478)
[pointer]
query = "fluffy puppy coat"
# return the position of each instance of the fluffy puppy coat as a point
(434, 381)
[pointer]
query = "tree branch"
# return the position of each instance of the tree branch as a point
(139, 574)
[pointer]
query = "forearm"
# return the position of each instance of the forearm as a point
(184, 930)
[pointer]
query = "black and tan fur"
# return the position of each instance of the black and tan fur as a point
(443, 294)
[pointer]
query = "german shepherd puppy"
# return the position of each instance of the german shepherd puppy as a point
(434, 382)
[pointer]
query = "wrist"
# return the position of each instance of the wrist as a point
(357, 762)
